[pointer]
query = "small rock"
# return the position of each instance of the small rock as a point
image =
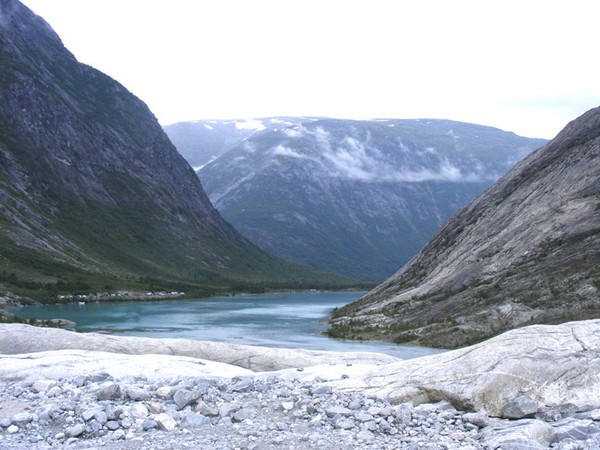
(321, 389)
(138, 411)
(42, 386)
(21, 419)
(54, 391)
(206, 410)
(137, 394)
(100, 377)
(149, 424)
(89, 414)
(243, 385)
(345, 423)
(165, 422)
(195, 421)
(126, 422)
(479, 419)
(113, 412)
(403, 414)
(155, 407)
(362, 416)
(184, 397)
(12, 429)
(371, 426)
(75, 430)
(163, 392)
(316, 419)
(5, 422)
(94, 426)
(458, 436)
(355, 404)
(101, 417)
(365, 436)
(112, 425)
(287, 406)
(226, 409)
(118, 435)
(243, 414)
(335, 410)
(110, 392)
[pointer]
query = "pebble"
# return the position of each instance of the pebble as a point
(256, 413)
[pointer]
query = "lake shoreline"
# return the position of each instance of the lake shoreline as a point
(275, 320)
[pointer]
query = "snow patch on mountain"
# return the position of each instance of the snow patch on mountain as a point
(250, 124)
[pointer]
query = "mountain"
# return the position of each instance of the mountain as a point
(355, 197)
(203, 141)
(93, 195)
(526, 251)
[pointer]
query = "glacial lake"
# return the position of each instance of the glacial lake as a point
(290, 320)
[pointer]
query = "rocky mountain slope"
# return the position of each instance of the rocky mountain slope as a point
(526, 251)
(92, 192)
(356, 197)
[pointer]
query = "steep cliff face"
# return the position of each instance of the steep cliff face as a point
(526, 251)
(357, 197)
(89, 181)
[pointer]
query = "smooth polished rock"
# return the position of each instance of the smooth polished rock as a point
(552, 365)
(20, 338)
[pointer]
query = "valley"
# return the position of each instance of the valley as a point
(358, 198)
(482, 242)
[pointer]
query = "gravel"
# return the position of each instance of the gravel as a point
(262, 412)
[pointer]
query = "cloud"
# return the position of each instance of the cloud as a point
(445, 171)
(353, 160)
(281, 150)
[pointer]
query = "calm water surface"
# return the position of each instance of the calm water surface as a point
(291, 320)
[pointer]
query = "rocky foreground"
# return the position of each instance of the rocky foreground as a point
(533, 388)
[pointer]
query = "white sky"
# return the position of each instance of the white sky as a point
(528, 66)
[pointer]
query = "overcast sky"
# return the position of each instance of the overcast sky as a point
(526, 66)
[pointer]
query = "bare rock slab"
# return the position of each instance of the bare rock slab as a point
(516, 374)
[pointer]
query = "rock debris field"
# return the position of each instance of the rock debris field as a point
(511, 392)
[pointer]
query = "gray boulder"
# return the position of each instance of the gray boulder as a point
(184, 397)
(530, 434)
(109, 392)
(520, 407)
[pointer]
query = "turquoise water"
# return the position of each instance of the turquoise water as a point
(291, 320)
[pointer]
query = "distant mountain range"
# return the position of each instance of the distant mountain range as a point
(356, 197)
(94, 196)
(526, 251)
